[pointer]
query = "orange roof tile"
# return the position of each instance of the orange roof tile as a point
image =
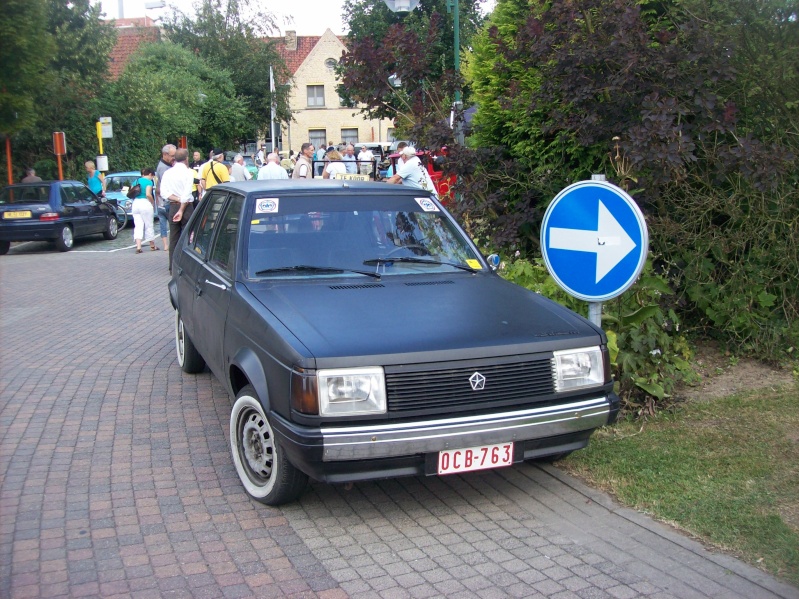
(131, 33)
(295, 58)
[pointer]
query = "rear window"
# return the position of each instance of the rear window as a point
(28, 194)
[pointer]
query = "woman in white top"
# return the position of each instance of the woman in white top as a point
(335, 166)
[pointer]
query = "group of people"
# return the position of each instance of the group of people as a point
(409, 168)
(175, 186)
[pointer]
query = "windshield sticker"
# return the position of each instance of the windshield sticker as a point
(475, 264)
(255, 221)
(267, 206)
(427, 204)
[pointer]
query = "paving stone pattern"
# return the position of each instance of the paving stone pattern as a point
(116, 481)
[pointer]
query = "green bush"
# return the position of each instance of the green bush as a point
(649, 354)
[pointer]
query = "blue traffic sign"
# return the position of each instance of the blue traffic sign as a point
(594, 240)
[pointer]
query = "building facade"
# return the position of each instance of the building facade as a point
(316, 108)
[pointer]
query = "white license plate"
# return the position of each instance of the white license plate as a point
(451, 461)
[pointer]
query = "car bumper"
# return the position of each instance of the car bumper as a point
(30, 230)
(342, 454)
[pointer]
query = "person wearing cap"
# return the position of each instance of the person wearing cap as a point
(365, 159)
(412, 172)
(214, 172)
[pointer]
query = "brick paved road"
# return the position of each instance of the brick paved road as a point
(116, 480)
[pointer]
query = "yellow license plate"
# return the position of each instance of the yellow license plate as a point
(17, 214)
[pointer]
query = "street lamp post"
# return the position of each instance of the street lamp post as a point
(406, 6)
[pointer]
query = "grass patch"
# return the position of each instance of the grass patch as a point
(726, 471)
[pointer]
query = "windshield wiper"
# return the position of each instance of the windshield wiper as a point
(382, 261)
(307, 268)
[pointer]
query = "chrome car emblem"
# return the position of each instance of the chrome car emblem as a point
(478, 381)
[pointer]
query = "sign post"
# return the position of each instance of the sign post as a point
(104, 130)
(59, 149)
(594, 242)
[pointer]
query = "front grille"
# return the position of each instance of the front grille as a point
(518, 383)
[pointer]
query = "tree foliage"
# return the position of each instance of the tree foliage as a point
(230, 35)
(75, 45)
(418, 49)
(26, 48)
(164, 92)
(691, 105)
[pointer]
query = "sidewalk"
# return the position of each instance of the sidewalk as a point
(116, 481)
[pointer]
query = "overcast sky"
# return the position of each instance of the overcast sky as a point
(308, 17)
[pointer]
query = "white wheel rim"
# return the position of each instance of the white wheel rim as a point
(179, 340)
(252, 443)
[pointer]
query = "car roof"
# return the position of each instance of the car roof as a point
(44, 182)
(125, 174)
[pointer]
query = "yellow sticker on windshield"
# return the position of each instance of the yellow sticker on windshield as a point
(475, 264)
(255, 221)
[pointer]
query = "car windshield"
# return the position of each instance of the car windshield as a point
(120, 182)
(385, 235)
(25, 194)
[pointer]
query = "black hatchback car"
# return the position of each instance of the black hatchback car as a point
(363, 336)
(58, 211)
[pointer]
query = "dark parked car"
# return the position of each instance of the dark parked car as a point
(363, 336)
(58, 211)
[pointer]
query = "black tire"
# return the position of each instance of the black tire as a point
(111, 228)
(65, 239)
(4, 247)
(260, 461)
(189, 358)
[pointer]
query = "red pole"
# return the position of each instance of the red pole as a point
(60, 171)
(8, 159)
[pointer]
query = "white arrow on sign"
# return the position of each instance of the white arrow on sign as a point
(609, 242)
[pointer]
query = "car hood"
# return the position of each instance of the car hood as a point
(448, 318)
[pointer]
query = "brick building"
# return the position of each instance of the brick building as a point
(315, 105)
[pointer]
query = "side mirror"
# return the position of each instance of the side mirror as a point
(493, 261)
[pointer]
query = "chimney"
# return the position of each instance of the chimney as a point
(291, 40)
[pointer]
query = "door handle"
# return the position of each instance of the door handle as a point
(198, 290)
(218, 285)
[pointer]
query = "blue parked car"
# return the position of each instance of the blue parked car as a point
(116, 188)
(58, 211)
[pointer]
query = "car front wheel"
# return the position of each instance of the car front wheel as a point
(260, 461)
(189, 358)
(65, 240)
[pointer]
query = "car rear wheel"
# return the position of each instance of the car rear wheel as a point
(260, 461)
(111, 228)
(65, 240)
(4, 247)
(189, 358)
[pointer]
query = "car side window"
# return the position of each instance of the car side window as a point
(68, 195)
(82, 194)
(224, 251)
(200, 236)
